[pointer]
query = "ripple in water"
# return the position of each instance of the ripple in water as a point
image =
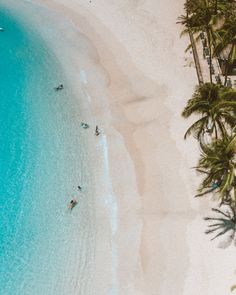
(44, 249)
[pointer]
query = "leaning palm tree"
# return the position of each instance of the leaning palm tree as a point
(217, 108)
(218, 164)
(226, 42)
(200, 17)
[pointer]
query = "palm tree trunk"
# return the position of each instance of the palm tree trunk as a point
(221, 128)
(216, 6)
(227, 64)
(210, 52)
(216, 133)
(234, 193)
(226, 72)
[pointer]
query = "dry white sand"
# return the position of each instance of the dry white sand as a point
(160, 244)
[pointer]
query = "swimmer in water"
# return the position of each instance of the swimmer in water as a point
(73, 203)
(97, 132)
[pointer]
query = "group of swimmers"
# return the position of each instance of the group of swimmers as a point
(83, 125)
(74, 201)
(59, 87)
(86, 126)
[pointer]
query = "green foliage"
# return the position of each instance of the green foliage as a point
(216, 107)
(218, 163)
(200, 17)
(233, 288)
(226, 41)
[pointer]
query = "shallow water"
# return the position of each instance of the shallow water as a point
(43, 157)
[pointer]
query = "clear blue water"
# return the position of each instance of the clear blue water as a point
(42, 160)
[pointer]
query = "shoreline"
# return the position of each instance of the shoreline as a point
(127, 97)
(107, 273)
(132, 66)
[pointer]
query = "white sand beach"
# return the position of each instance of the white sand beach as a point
(138, 79)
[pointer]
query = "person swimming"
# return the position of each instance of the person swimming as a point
(97, 132)
(84, 125)
(60, 87)
(73, 203)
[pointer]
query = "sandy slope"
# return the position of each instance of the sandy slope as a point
(147, 82)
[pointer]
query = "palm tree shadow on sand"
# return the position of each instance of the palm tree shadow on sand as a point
(223, 224)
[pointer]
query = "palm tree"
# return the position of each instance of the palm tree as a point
(216, 6)
(226, 40)
(218, 164)
(191, 6)
(200, 17)
(216, 107)
(226, 8)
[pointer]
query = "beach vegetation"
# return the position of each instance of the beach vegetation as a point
(226, 43)
(216, 133)
(216, 21)
(216, 106)
(233, 288)
(200, 18)
(218, 165)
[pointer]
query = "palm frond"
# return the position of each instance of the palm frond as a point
(196, 127)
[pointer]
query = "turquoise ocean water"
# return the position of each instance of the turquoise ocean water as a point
(44, 249)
